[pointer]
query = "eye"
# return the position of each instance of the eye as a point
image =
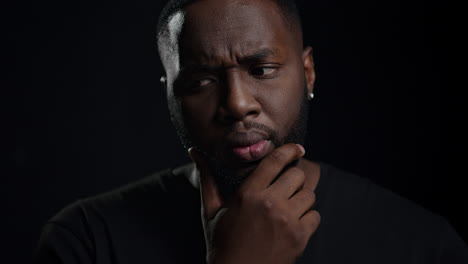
(263, 71)
(201, 83)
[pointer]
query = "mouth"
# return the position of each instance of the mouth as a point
(247, 147)
(252, 152)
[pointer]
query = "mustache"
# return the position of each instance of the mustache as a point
(250, 125)
(248, 132)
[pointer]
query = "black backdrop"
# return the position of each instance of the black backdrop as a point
(89, 114)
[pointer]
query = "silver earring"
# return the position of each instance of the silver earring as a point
(163, 79)
(311, 96)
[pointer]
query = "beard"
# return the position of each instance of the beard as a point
(228, 179)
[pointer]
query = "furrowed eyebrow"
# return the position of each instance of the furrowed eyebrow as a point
(256, 56)
(192, 68)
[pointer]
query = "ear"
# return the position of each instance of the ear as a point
(309, 69)
(163, 81)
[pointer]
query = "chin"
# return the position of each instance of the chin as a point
(229, 178)
(244, 172)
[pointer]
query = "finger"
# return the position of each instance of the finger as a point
(211, 200)
(302, 202)
(288, 183)
(272, 165)
(310, 222)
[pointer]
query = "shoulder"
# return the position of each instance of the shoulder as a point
(137, 217)
(359, 214)
(163, 189)
(373, 201)
(152, 186)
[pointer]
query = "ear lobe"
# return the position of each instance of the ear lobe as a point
(163, 81)
(309, 68)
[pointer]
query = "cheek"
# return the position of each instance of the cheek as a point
(198, 114)
(283, 102)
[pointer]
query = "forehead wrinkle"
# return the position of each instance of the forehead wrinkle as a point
(221, 50)
(230, 21)
(230, 32)
(233, 15)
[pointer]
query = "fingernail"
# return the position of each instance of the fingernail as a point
(301, 148)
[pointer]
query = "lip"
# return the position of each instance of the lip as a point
(244, 138)
(252, 152)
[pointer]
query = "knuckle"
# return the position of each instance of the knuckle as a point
(297, 239)
(311, 222)
(301, 175)
(312, 196)
(267, 205)
(307, 198)
(310, 193)
(282, 219)
(317, 217)
(298, 172)
(314, 219)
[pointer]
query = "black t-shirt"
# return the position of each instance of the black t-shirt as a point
(157, 220)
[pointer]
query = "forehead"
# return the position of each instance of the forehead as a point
(220, 31)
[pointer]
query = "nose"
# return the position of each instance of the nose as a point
(238, 100)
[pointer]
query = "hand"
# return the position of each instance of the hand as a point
(265, 222)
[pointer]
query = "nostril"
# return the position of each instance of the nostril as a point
(234, 113)
(253, 113)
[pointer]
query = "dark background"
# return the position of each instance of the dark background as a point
(88, 113)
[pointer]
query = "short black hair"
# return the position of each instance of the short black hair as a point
(288, 7)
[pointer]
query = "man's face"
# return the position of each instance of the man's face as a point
(237, 80)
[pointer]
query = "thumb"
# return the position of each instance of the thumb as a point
(211, 200)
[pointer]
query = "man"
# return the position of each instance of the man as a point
(238, 83)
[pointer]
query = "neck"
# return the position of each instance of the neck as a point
(310, 168)
(312, 172)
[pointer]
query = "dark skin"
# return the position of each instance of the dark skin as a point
(236, 62)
